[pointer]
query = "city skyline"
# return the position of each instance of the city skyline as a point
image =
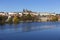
(33, 5)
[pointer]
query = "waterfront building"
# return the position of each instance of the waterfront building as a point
(20, 14)
(3, 13)
(46, 13)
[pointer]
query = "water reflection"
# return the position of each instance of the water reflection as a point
(2, 27)
(29, 26)
(26, 27)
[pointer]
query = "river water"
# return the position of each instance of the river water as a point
(30, 31)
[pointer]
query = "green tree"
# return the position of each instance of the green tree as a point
(29, 17)
(10, 20)
(2, 19)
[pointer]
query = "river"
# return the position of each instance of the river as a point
(30, 31)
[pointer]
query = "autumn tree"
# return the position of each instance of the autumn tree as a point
(15, 19)
(54, 18)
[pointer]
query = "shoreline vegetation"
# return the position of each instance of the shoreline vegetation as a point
(16, 18)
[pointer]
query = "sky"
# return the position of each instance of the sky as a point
(33, 5)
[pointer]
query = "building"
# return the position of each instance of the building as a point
(3, 13)
(12, 13)
(20, 14)
(34, 14)
(46, 13)
(44, 19)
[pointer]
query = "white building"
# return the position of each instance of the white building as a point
(46, 13)
(34, 13)
(20, 13)
(12, 13)
(2, 13)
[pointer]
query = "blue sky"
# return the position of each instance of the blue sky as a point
(34, 5)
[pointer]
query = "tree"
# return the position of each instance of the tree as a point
(54, 18)
(2, 19)
(10, 20)
(29, 17)
(15, 20)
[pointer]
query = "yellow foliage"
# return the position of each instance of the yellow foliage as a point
(15, 19)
